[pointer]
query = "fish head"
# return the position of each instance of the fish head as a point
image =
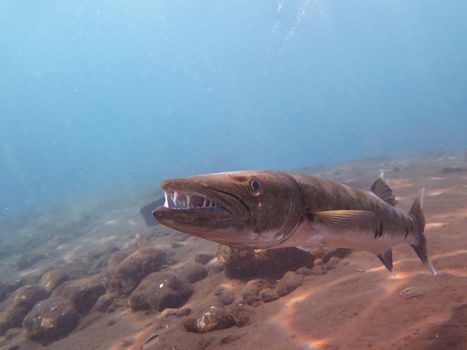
(244, 209)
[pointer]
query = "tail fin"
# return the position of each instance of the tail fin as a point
(416, 213)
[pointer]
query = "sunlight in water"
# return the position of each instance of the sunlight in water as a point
(434, 193)
(432, 225)
(283, 320)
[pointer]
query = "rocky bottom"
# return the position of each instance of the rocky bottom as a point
(107, 282)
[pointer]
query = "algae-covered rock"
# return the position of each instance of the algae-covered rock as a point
(23, 301)
(135, 267)
(193, 272)
(50, 319)
(272, 263)
(160, 291)
(212, 319)
(83, 293)
(288, 283)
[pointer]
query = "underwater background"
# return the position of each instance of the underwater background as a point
(100, 101)
(98, 97)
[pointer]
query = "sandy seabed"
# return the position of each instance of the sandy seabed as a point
(347, 302)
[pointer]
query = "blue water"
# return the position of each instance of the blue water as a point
(102, 95)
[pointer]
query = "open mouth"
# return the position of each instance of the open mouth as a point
(184, 200)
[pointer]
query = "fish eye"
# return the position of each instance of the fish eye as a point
(255, 186)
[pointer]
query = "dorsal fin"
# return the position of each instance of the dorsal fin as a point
(382, 190)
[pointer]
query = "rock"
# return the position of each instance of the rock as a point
(338, 253)
(115, 260)
(251, 291)
(97, 259)
(176, 245)
(24, 300)
(6, 288)
(179, 313)
(28, 260)
(265, 263)
(268, 295)
(334, 260)
(214, 266)
(12, 332)
(160, 291)
(50, 320)
(193, 272)
(230, 339)
(83, 293)
(52, 279)
(319, 270)
(213, 319)
(289, 283)
(204, 258)
(135, 267)
(105, 303)
(251, 296)
(225, 296)
(240, 314)
(413, 292)
(304, 271)
(332, 263)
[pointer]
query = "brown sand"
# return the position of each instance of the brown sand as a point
(356, 305)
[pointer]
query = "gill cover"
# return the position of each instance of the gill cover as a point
(276, 209)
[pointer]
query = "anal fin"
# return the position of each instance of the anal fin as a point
(386, 259)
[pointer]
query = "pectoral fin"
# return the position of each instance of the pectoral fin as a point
(342, 220)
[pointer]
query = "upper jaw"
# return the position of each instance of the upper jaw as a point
(188, 196)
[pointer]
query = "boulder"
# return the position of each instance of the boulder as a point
(225, 296)
(240, 314)
(251, 296)
(135, 267)
(52, 279)
(160, 291)
(193, 272)
(50, 319)
(82, 293)
(24, 300)
(204, 258)
(105, 303)
(268, 295)
(251, 291)
(212, 319)
(288, 283)
(97, 259)
(8, 287)
(272, 263)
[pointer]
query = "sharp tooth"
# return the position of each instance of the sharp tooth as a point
(188, 200)
(204, 202)
(166, 203)
(175, 197)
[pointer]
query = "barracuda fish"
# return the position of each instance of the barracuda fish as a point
(274, 209)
